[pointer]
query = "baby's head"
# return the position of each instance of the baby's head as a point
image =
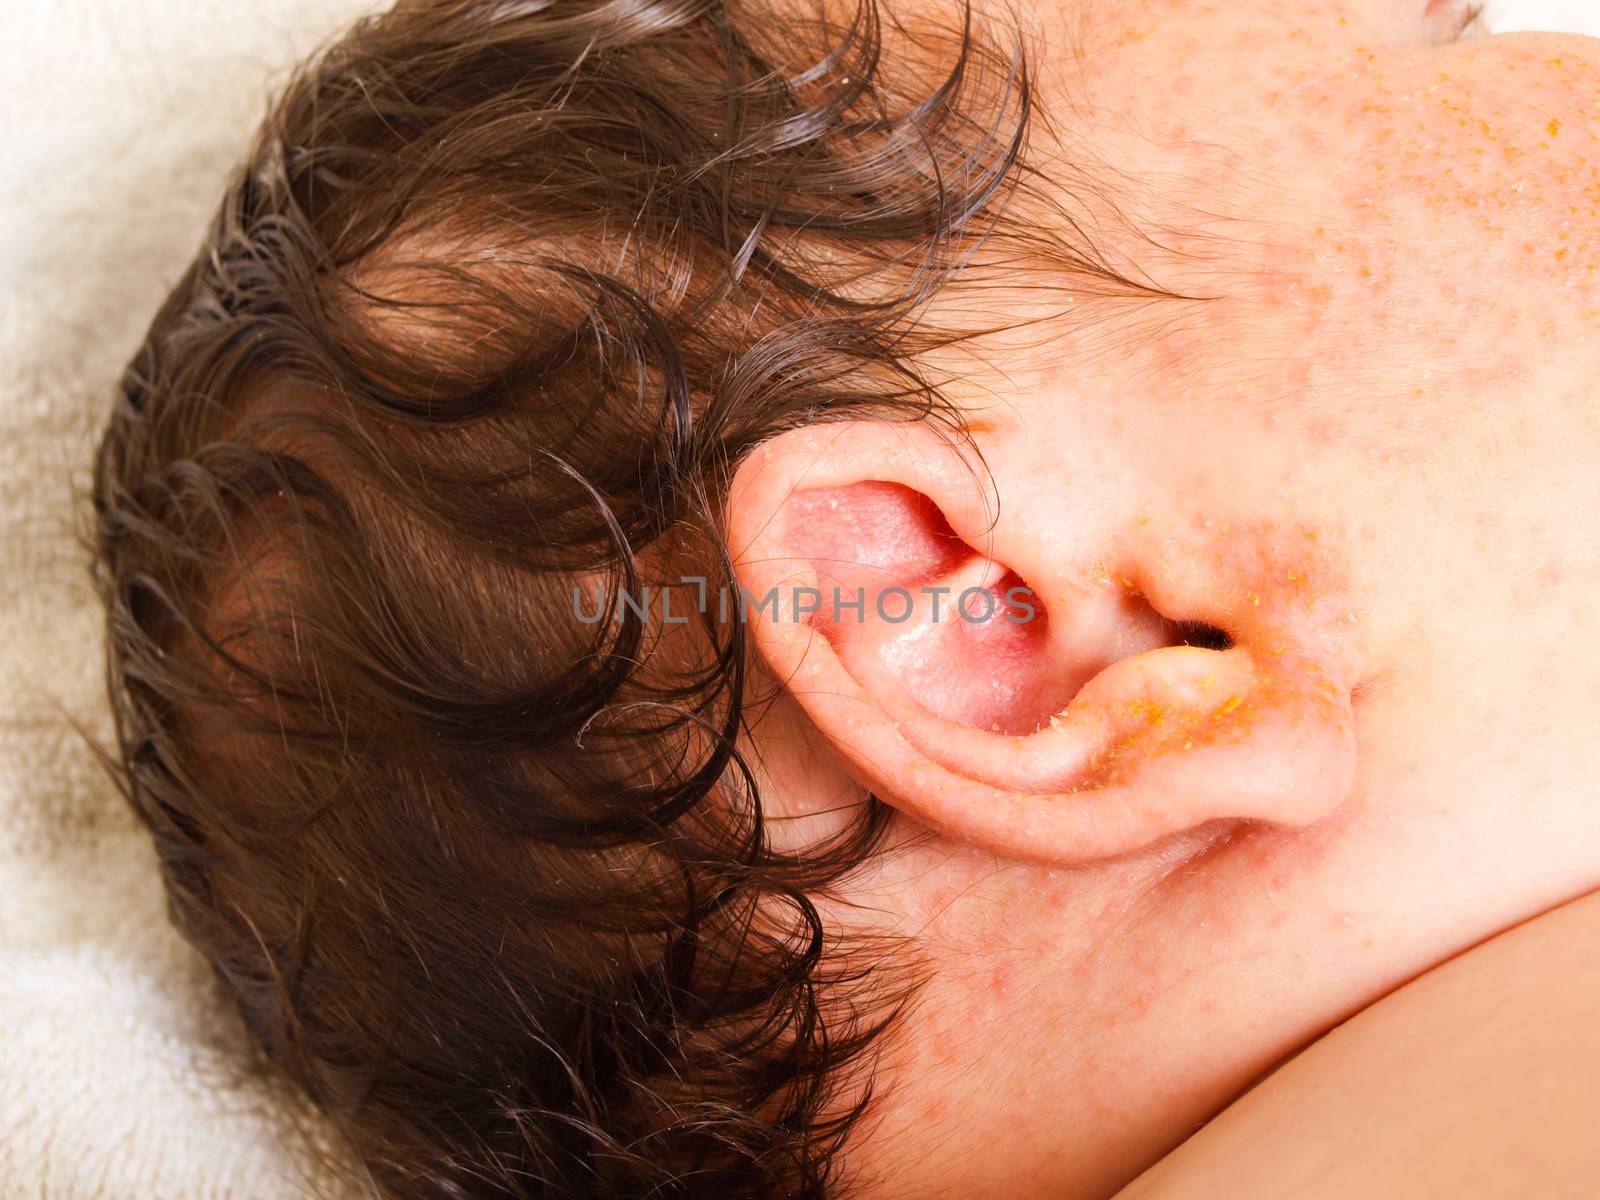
(698, 611)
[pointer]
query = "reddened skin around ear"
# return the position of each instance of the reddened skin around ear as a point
(1040, 709)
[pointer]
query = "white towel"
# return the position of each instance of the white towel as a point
(120, 1075)
(119, 1060)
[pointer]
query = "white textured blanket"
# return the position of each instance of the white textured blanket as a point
(119, 1061)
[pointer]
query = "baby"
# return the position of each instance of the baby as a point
(784, 599)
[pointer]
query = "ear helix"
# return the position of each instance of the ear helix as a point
(1088, 731)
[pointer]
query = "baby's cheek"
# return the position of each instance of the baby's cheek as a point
(1502, 167)
(1445, 253)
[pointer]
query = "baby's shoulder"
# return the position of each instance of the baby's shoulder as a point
(1474, 1080)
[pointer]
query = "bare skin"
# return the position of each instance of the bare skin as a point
(1475, 1080)
(1140, 874)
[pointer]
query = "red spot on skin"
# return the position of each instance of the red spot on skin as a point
(1002, 981)
(946, 1048)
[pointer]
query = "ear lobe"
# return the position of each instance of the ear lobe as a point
(993, 694)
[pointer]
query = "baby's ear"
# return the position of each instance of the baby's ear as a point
(1040, 709)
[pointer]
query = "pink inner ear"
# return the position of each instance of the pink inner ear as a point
(866, 538)
(874, 534)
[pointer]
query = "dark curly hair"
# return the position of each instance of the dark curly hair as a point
(502, 295)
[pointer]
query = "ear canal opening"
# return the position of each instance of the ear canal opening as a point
(1201, 635)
